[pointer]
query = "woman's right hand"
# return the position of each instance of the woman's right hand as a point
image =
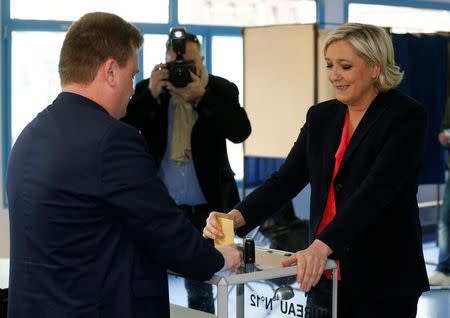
(213, 229)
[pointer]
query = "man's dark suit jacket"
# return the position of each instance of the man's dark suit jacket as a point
(376, 232)
(220, 117)
(93, 229)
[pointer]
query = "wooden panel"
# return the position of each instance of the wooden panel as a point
(325, 90)
(279, 85)
(4, 234)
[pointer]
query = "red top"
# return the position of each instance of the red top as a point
(330, 208)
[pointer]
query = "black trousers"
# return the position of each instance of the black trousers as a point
(354, 305)
(200, 295)
(3, 302)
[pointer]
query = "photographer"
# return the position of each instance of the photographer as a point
(186, 130)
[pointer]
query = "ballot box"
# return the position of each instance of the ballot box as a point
(265, 289)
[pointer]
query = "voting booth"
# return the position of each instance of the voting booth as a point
(256, 292)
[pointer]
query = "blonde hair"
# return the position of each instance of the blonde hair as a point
(374, 45)
(93, 39)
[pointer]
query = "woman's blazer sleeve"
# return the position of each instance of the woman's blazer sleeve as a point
(282, 186)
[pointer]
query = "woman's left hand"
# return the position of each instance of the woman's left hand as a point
(310, 264)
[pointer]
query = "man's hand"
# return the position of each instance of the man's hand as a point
(191, 93)
(158, 80)
(213, 228)
(232, 256)
(310, 264)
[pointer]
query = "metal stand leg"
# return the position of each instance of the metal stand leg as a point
(335, 291)
(438, 211)
(240, 303)
(222, 299)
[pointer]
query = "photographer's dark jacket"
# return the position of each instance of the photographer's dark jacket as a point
(220, 117)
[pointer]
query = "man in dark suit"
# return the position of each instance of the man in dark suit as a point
(186, 130)
(93, 229)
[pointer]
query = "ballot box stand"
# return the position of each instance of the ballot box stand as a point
(250, 294)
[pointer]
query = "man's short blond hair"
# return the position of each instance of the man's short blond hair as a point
(93, 39)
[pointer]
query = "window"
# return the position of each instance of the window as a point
(246, 12)
(34, 77)
(65, 10)
(227, 61)
(154, 51)
(400, 19)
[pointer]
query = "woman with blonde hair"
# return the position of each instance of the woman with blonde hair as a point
(361, 153)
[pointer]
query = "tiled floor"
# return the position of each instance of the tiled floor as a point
(433, 304)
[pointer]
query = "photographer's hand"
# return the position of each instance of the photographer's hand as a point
(158, 80)
(444, 138)
(191, 93)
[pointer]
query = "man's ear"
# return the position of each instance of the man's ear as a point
(109, 71)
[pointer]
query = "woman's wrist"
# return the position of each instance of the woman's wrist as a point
(238, 218)
(322, 248)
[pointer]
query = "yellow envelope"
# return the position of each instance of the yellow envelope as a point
(228, 231)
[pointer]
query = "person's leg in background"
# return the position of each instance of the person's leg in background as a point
(200, 294)
(441, 276)
(444, 233)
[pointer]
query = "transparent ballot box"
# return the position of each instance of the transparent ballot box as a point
(265, 289)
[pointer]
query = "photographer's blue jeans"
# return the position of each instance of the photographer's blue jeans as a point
(200, 295)
(444, 232)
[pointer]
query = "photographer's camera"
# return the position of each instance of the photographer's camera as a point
(179, 69)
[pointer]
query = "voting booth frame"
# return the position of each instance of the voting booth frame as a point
(267, 267)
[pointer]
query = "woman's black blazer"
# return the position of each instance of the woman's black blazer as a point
(376, 233)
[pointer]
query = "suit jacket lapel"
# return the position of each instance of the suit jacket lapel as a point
(331, 138)
(370, 117)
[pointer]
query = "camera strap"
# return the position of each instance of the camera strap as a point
(183, 121)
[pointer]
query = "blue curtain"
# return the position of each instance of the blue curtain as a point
(424, 59)
(258, 169)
